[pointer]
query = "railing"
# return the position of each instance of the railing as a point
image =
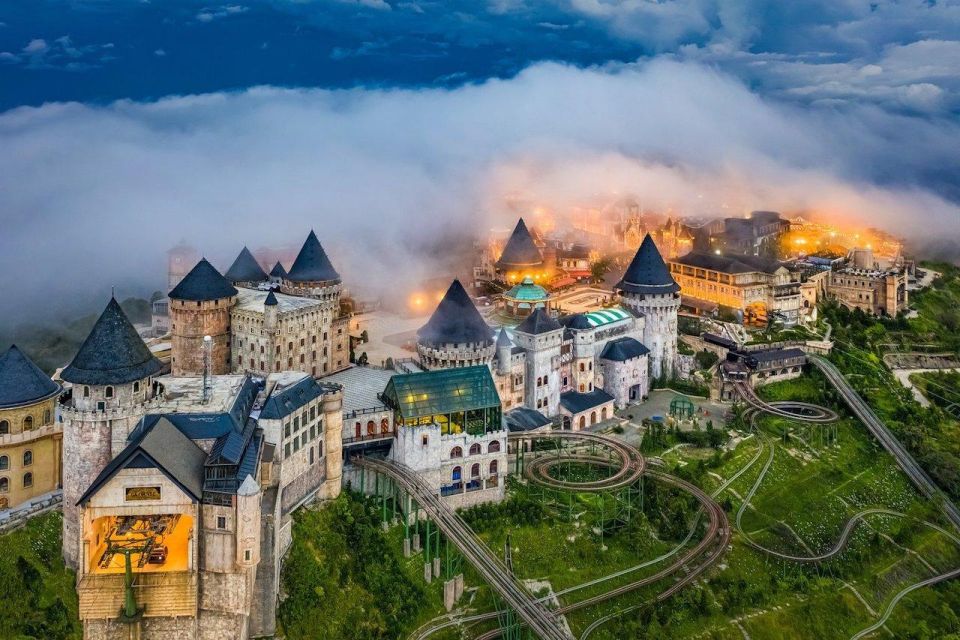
(18, 515)
(11, 439)
(368, 437)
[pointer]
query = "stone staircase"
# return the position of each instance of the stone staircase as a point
(163, 594)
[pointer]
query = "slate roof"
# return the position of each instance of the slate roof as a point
(455, 319)
(278, 271)
(771, 355)
(21, 381)
(524, 419)
(521, 251)
(245, 269)
(203, 282)
(165, 447)
(623, 349)
(113, 352)
(731, 263)
(503, 340)
(270, 300)
(577, 321)
(286, 401)
(647, 273)
(576, 402)
(538, 322)
(312, 263)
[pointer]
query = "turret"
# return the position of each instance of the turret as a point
(521, 257)
(456, 334)
(648, 288)
(312, 274)
(504, 352)
(541, 336)
(200, 306)
(112, 377)
(246, 271)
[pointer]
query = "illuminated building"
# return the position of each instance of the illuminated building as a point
(525, 296)
(521, 257)
(861, 285)
(759, 234)
(30, 437)
(755, 286)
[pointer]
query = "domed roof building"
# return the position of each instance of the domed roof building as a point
(525, 296)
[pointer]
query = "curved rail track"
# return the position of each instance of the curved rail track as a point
(631, 462)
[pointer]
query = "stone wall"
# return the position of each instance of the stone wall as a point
(189, 322)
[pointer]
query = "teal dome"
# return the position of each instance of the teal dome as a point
(528, 291)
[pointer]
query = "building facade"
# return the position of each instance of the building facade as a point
(873, 291)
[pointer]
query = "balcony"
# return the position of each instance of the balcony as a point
(165, 594)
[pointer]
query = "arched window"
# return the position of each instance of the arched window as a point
(46, 416)
(583, 422)
(4, 427)
(358, 429)
(27, 458)
(136, 387)
(108, 392)
(457, 473)
(86, 392)
(593, 417)
(581, 367)
(475, 471)
(4, 485)
(384, 426)
(494, 447)
(27, 480)
(28, 423)
(590, 365)
(371, 428)
(456, 452)
(493, 467)
(603, 413)
(545, 379)
(474, 449)
(4, 463)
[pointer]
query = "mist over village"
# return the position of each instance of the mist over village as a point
(335, 319)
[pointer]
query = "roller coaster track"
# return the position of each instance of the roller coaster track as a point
(632, 463)
(879, 430)
(534, 613)
(800, 411)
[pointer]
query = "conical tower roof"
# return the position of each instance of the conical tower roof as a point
(312, 263)
(21, 381)
(278, 271)
(270, 300)
(538, 322)
(245, 269)
(521, 251)
(648, 273)
(203, 282)
(113, 353)
(456, 319)
(503, 340)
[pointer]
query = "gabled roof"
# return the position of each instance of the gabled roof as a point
(245, 269)
(203, 282)
(163, 446)
(521, 251)
(455, 319)
(576, 321)
(442, 391)
(312, 263)
(284, 402)
(113, 352)
(525, 419)
(21, 381)
(278, 271)
(647, 273)
(623, 349)
(538, 322)
(730, 263)
(576, 402)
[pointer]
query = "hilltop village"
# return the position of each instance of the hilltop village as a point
(179, 462)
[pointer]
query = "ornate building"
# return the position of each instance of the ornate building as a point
(522, 258)
(30, 437)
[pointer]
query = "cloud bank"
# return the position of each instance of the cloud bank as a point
(93, 196)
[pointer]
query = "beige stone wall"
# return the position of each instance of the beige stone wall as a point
(32, 429)
(189, 323)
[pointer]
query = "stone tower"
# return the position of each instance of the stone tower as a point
(246, 271)
(648, 288)
(112, 377)
(200, 306)
(312, 275)
(504, 352)
(541, 337)
(456, 334)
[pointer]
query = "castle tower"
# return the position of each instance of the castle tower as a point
(504, 352)
(278, 273)
(312, 274)
(246, 271)
(521, 257)
(541, 337)
(112, 377)
(581, 364)
(648, 288)
(270, 321)
(200, 306)
(456, 334)
(179, 260)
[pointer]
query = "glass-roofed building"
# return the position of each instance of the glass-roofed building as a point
(450, 429)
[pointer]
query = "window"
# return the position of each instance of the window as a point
(384, 426)
(4, 463)
(311, 455)
(593, 417)
(28, 423)
(101, 406)
(221, 522)
(86, 392)
(108, 392)
(424, 441)
(456, 452)
(286, 450)
(313, 413)
(493, 467)
(320, 450)
(27, 480)
(4, 427)
(136, 387)
(247, 555)
(457, 472)
(27, 458)
(494, 447)
(475, 471)
(4, 485)
(474, 449)
(371, 428)
(545, 379)
(296, 423)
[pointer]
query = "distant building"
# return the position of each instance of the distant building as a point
(30, 437)
(757, 287)
(758, 234)
(180, 260)
(874, 291)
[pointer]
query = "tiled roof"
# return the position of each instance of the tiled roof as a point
(538, 322)
(576, 402)
(203, 282)
(524, 419)
(455, 320)
(521, 251)
(21, 381)
(623, 349)
(312, 263)
(647, 273)
(245, 269)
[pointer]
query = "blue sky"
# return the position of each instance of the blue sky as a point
(127, 126)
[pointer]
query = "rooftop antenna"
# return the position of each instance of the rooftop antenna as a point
(207, 367)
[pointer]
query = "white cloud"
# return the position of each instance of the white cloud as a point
(101, 192)
(37, 45)
(211, 14)
(159, 53)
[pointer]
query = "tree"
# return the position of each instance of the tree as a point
(599, 269)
